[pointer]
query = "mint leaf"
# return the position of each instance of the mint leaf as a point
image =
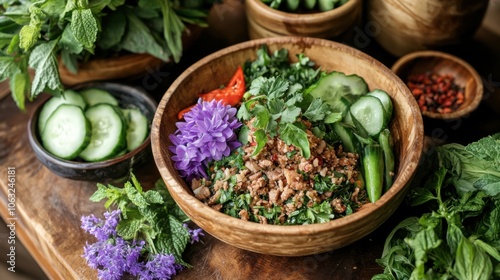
(173, 239)
(84, 27)
(8, 67)
(44, 61)
(99, 194)
(69, 42)
(293, 135)
(139, 39)
(19, 85)
(135, 196)
(112, 35)
(153, 197)
(129, 228)
(28, 36)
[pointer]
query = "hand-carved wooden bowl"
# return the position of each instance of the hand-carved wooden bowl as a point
(264, 21)
(106, 170)
(465, 76)
(216, 69)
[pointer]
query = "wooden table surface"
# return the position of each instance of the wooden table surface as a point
(48, 208)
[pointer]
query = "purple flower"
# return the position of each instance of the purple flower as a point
(195, 234)
(114, 258)
(208, 133)
(160, 267)
(102, 230)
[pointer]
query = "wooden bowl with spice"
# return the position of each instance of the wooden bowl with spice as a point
(173, 139)
(445, 86)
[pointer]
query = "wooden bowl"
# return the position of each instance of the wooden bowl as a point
(405, 26)
(297, 240)
(107, 170)
(264, 21)
(442, 63)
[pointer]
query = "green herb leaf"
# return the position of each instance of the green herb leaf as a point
(19, 84)
(111, 36)
(317, 110)
(44, 61)
(290, 114)
(84, 27)
(262, 116)
(293, 135)
(471, 262)
(261, 139)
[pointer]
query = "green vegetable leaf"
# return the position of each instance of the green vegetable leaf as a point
(139, 39)
(44, 61)
(487, 148)
(130, 227)
(471, 262)
(19, 84)
(261, 139)
(293, 135)
(84, 27)
(69, 42)
(28, 36)
(262, 116)
(8, 67)
(317, 110)
(115, 26)
(173, 239)
(290, 114)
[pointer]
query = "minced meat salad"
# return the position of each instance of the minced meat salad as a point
(279, 185)
(286, 143)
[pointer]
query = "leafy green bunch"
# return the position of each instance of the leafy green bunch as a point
(40, 34)
(152, 216)
(458, 234)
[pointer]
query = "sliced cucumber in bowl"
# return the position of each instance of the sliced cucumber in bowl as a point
(108, 132)
(138, 128)
(67, 132)
(68, 97)
(368, 115)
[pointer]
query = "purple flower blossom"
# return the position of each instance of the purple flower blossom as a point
(102, 230)
(160, 267)
(195, 234)
(114, 258)
(208, 133)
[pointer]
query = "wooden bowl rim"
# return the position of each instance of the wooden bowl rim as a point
(302, 18)
(289, 230)
(81, 165)
(462, 111)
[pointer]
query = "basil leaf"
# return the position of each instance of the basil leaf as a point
(114, 26)
(471, 262)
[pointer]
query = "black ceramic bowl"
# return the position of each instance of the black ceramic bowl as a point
(111, 169)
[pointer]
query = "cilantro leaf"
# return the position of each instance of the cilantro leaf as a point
(293, 135)
(290, 114)
(317, 110)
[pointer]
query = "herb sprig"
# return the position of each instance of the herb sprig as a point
(147, 227)
(458, 237)
(38, 35)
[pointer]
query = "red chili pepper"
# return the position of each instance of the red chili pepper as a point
(229, 95)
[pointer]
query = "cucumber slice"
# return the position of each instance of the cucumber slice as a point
(108, 132)
(368, 113)
(67, 132)
(68, 97)
(385, 99)
(95, 96)
(138, 128)
(339, 90)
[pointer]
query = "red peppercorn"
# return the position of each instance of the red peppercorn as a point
(435, 92)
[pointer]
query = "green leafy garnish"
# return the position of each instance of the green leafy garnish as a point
(150, 215)
(459, 236)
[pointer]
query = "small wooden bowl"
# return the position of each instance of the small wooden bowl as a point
(264, 21)
(442, 63)
(215, 70)
(111, 169)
